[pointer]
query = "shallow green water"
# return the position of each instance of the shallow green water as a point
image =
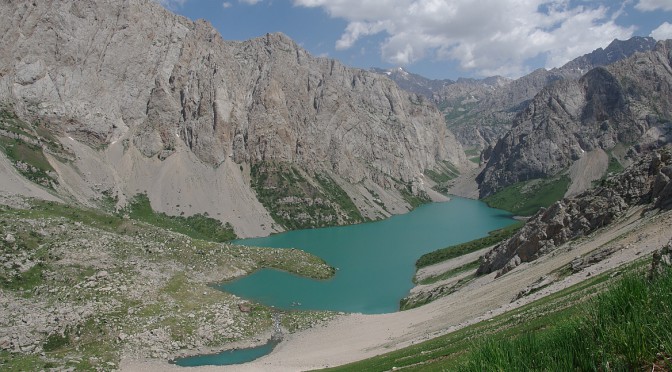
(375, 261)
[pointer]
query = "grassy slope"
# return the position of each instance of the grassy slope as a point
(297, 203)
(198, 226)
(23, 144)
(69, 245)
(557, 330)
(454, 251)
(625, 328)
(526, 198)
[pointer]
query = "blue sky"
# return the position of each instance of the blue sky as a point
(440, 38)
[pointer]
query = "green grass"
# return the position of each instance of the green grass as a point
(25, 281)
(526, 198)
(19, 151)
(474, 155)
(625, 328)
(442, 172)
(450, 273)
(198, 226)
(458, 250)
(414, 200)
(22, 362)
(472, 152)
(331, 188)
(57, 341)
(614, 166)
(458, 111)
(91, 217)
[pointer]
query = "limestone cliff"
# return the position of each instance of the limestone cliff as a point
(153, 102)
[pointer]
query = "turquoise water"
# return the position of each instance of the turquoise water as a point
(228, 357)
(375, 261)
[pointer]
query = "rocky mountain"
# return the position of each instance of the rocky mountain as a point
(257, 133)
(647, 182)
(414, 83)
(604, 113)
(480, 111)
(504, 104)
(614, 52)
(493, 116)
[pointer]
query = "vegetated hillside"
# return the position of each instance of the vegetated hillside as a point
(82, 288)
(480, 111)
(647, 182)
(623, 109)
(148, 101)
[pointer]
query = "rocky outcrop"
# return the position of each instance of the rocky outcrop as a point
(106, 73)
(629, 102)
(617, 50)
(645, 183)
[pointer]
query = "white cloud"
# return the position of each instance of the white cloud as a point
(650, 5)
(356, 30)
(226, 5)
(487, 36)
(250, 2)
(663, 32)
(172, 4)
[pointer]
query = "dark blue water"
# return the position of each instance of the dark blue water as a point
(375, 260)
(225, 358)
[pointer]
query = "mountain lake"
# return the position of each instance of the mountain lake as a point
(375, 263)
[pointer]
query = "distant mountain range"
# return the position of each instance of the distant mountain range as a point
(614, 113)
(480, 111)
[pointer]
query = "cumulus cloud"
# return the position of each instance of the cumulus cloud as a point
(250, 2)
(650, 5)
(226, 5)
(486, 36)
(663, 32)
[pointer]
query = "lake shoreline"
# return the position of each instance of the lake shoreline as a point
(393, 245)
(356, 336)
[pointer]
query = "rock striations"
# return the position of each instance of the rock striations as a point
(624, 104)
(147, 99)
(647, 182)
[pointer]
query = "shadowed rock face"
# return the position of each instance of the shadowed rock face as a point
(646, 182)
(626, 103)
(107, 71)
